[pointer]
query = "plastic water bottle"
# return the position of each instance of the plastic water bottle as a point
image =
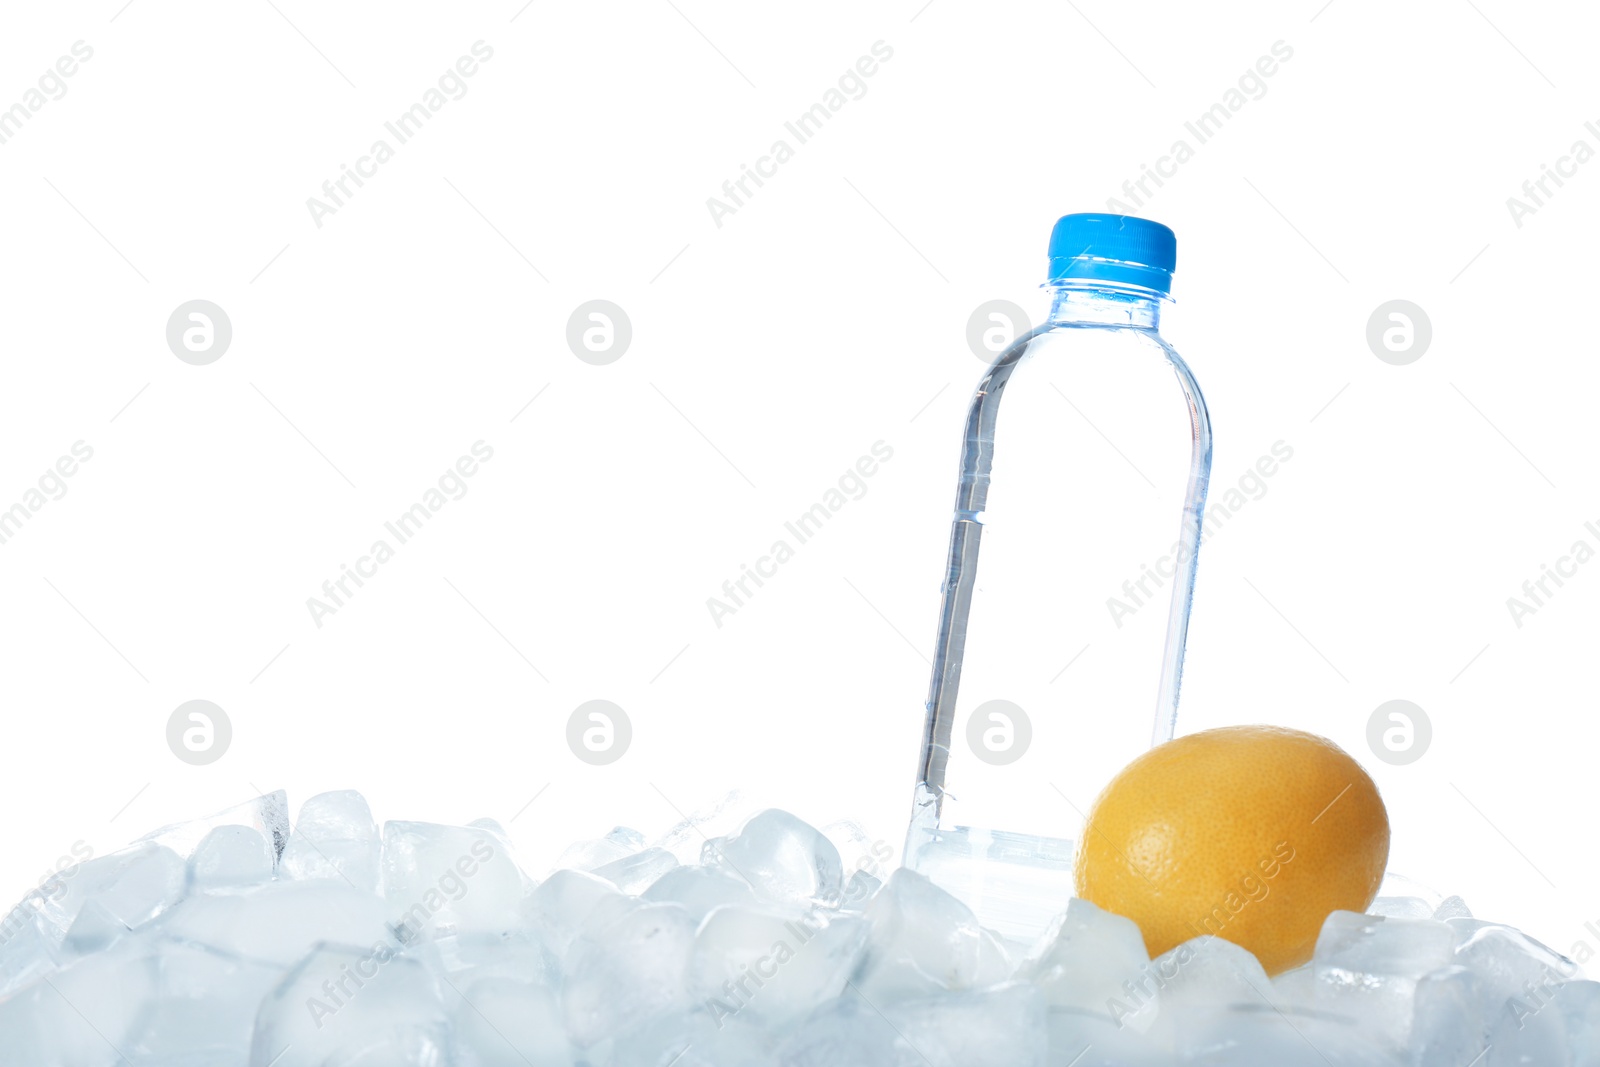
(1072, 560)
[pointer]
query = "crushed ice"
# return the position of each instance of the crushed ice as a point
(234, 942)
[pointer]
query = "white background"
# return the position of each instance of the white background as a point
(768, 354)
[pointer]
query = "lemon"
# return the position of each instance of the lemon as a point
(1249, 833)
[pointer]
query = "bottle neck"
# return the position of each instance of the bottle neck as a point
(1076, 305)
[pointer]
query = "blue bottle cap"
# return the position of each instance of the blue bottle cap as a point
(1117, 249)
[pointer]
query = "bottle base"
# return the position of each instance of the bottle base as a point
(1014, 883)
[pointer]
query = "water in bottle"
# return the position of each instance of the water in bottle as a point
(1071, 570)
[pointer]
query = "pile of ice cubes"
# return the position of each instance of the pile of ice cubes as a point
(234, 942)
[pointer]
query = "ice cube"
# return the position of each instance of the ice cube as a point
(924, 941)
(1295, 988)
(335, 837)
(508, 1022)
(562, 904)
(81, 1014)
(94, 930)
(1003, 1027)
(775, 967)
(1579, 1003)
(846, 1032)
(1200, 981)
(700, 889)
(1401, 908)
(268, 814)
(1507, 962)
(687, 839)
(280, 922)
(785, 860)
(491, 825)
(1260, 1035)
(622, 973)
(449, 879)
(229, 856)
(27, 951)
(202, 1009)
(1516, 978)
(467, 958)
(692, 1039)
(1398, 885)
(349, 1005)
(1448, 1024)
(636, 873)
(858, 892)
(1091, 1039)
(1208, 972)
(1452, 907)
(1368, 966)
(134, 885)
(1530, 1031)
(1093, 961)
(620, 843)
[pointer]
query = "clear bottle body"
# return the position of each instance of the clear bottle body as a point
(1065, 607)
